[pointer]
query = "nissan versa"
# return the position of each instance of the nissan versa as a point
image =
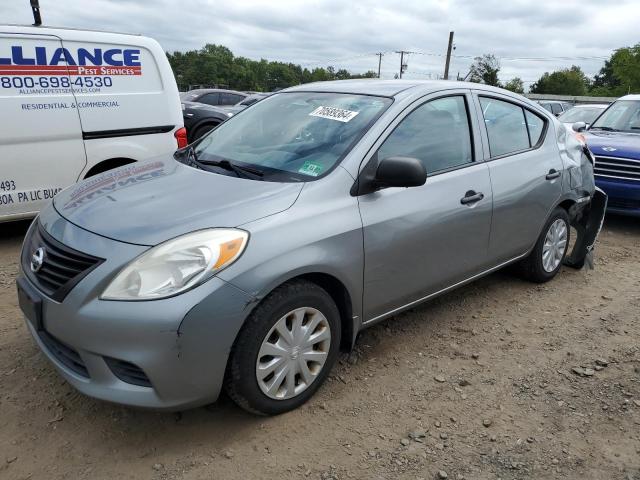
(249, 259)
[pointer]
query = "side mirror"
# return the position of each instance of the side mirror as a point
(579, 127)
(390, 172)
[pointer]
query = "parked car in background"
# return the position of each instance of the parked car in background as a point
(614, 139)
(555, 107)
(76, 103)
(248, 260)
(250, 100)
(200, 118)
(213, 96)
(582, 113)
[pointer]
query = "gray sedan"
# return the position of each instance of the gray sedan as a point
(250, 259)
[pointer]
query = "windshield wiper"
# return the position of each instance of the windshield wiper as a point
(239, 170)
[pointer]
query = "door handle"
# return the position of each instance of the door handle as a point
(471, 197)
(553, 174)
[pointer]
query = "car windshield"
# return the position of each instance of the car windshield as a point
(581, 114)
(296, 136)
(188, 96)
(623, 116)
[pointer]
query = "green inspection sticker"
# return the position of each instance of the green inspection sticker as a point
(311, 169)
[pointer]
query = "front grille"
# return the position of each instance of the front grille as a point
(62, 267)
(64, 354)
(128, 372)
(613, 167)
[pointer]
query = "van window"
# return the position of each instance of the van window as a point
(506, 126)
(436, 133)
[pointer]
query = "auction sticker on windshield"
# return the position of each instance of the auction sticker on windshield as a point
(333, 113)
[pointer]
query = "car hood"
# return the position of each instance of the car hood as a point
(148, 202)
(614, 144)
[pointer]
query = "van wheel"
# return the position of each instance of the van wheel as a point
(544, 262)
(285, 350)
(202, 131)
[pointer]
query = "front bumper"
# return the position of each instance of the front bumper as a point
(178, 345)
(624, 196)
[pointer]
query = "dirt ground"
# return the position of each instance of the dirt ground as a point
(478, 384)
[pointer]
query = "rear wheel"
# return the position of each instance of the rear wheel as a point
(201, 131)
(544, 262)
(285, 350)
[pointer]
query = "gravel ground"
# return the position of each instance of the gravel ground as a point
(500, 379)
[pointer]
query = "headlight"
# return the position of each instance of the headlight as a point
(177, 265)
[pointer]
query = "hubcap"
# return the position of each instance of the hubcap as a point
(293, 353)
(555, 244)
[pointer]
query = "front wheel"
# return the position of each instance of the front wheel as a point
(545, 260)
(285, 350)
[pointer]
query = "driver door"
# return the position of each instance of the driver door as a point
(420, 240)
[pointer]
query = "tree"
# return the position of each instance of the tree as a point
(515, 85)
(215, 65)
(625, 63)
(485, 70)
(569, 81)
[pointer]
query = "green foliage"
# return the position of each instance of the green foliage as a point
(516, 85)
(570, 81)
(216, 65)
(620, 74)
(485, 70)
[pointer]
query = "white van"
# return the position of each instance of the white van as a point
(74, 103)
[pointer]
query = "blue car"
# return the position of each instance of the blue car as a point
(614, 140)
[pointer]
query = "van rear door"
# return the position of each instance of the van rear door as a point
(41, 146)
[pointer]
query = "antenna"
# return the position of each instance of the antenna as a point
(35, 7)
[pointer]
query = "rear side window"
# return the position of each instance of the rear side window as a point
(230, 98)
(210, 99)
(506, 126)
(436, 133)
(535, 125)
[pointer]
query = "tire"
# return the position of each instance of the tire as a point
(533, 267)
(246, 382)
(201, 131)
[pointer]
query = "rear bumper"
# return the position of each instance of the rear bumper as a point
(624, 196)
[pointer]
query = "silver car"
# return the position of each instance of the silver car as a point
(250, 259)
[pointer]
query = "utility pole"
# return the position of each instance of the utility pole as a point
(448, 61)
(379, 55)
(403, 66)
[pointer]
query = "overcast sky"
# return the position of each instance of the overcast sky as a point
(347, 34)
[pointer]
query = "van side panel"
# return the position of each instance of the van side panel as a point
(41, 145)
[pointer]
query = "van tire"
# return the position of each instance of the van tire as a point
(241, 380)
(532, 267)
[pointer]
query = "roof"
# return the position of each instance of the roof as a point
(630, 97)
(386, 88)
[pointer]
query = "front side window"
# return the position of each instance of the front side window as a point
(230, 98)
(623, 116)
(296, 136)
(506, 126)
(436, 133)
(556, 108)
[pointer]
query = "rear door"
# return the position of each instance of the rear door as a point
(420, 240)
(41, 146)
(525, 168)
